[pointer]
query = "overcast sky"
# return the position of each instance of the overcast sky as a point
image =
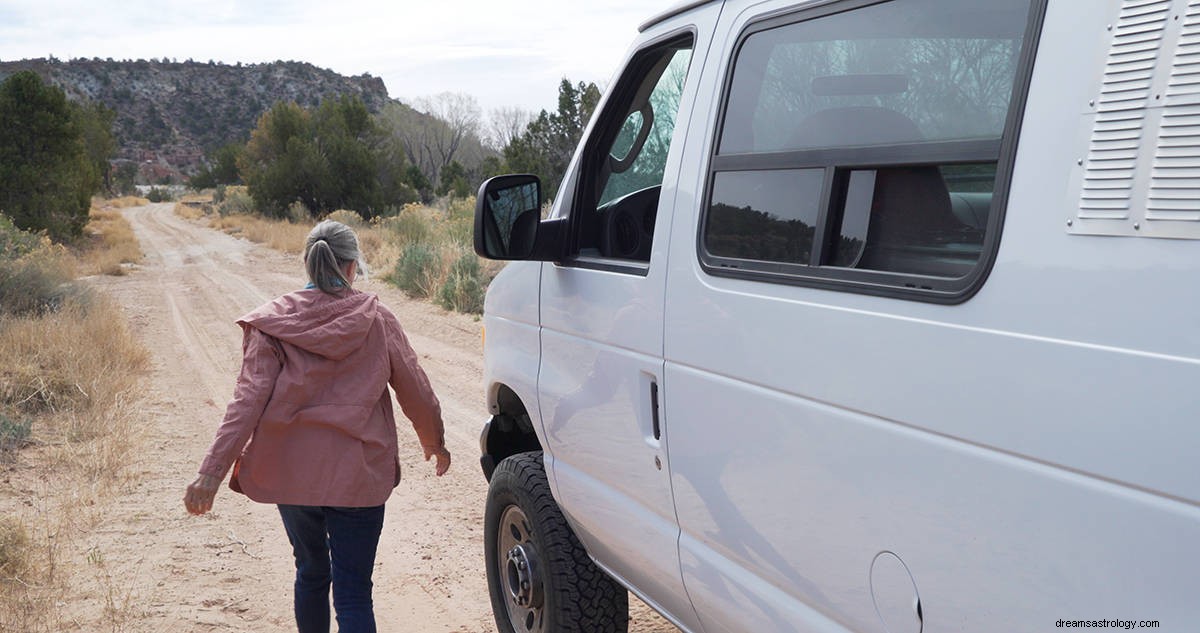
(502, 52)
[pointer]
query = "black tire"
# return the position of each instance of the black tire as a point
(539, 575)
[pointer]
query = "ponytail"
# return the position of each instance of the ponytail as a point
(329, 248)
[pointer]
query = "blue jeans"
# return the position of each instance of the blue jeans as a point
(333, 546)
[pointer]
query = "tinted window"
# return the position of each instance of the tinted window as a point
(866, 140)
(895, 72)
(645, 168)
(765, 215)
(624, 160)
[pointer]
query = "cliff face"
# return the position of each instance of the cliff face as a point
(168, 114)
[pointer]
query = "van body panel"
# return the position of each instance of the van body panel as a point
(1005, 438)
(785, 511)
(601, 369)
(512, 350)
(1025, 456)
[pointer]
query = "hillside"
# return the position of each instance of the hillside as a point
(170, 113)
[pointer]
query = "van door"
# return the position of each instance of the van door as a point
(846, 208)
(601, 312)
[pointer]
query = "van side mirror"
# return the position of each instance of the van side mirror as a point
(508, 220)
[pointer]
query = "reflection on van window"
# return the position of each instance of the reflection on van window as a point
(765, 215)
(649, 160)
(622, 169)
(877, 130)
(901, 71)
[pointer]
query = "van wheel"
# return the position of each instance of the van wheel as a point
(539, 576)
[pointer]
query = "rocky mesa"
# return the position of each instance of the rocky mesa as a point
(169, 113)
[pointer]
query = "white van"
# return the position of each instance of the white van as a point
(859, 315)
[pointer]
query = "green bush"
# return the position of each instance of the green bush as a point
(159, 195)
(415, 270)
(51, 153)
(14, 242)
(465, 286)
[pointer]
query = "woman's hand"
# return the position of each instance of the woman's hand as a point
(200, 493)
(443, 458)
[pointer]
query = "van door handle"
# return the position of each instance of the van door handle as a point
(657, 430)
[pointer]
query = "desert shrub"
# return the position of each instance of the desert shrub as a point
(74, 360)
(233, 199)
(110, 243)
(14, 241)
(189, 211)
(14, 433)
(412, 224)
(159, 195)
(299, 213)
(415, 269)
(460, 221)
(464, 287)
(35, 274)
(350, 218)
(35, 282)
(280, 235)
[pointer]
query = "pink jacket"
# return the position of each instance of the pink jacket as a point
(312, 402)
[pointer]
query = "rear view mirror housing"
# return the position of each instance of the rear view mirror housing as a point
(508, 224)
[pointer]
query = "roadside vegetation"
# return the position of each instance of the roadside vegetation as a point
(403, 178)
(425, 250)
(68, 431)
(68, 364)
(53, 156)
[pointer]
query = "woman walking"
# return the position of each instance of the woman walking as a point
(311, 429)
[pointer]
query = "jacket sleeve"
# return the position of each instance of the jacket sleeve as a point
(413, 391)
(261, 362)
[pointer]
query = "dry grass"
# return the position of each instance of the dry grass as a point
(280, 235)
(289, 237)
(188, 212)
(109, 243)
(76, 360)
(123, 202)
(73, 373)
(422, 249)
(194, 206)
(14, 547)
(68, 370)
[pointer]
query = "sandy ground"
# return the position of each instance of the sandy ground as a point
(231, 570)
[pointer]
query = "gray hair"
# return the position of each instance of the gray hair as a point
(329, 247)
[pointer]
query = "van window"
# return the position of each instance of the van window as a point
(864, 145)
(624, 159)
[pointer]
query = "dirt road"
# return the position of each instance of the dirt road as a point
(231, 570)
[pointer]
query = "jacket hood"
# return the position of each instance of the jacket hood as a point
(332, 326)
